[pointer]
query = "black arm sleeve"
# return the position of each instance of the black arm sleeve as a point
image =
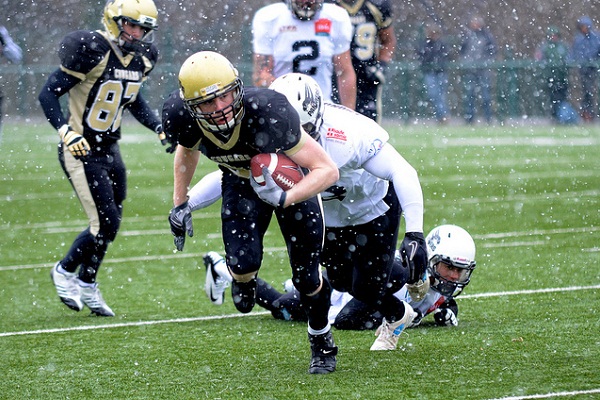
(142, 112)
(58, 84)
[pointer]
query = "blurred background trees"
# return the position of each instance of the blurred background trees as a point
(185, 27)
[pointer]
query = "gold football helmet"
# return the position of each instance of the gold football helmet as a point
(205, 76)
(138, 12)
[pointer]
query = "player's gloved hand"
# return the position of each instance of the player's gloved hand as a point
(270, 192)
(378, 72)
(445, 317)
(180, 219)
(76, 143)
(166, 139)
(414, 256)
(418, 290)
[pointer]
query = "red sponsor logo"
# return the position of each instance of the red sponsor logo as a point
(336, 134)
(323, 27)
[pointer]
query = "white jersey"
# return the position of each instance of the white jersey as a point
(351, 139)
(306, 47)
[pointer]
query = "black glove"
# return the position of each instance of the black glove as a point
(445, 317)
(180, 219)
(414, 256)
(269, 192)
(167, 139)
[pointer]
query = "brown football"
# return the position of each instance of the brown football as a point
(285, 172)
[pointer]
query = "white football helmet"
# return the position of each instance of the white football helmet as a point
(304, 94)
(453, 246)
(304, 10)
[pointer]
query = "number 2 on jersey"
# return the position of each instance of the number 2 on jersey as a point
(312, 54)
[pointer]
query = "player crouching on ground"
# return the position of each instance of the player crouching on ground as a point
(451, 261)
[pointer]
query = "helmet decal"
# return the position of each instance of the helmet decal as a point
(311, 102)
(433, 239)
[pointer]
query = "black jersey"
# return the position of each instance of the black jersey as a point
(368, 18)
(270, 125)
(110, 81)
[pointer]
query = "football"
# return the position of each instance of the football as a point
(285, 172)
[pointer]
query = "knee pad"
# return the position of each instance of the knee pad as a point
(244, 261)
(307, 283)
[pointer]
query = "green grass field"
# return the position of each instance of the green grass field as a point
(529, 321)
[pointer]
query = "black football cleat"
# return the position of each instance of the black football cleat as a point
(324, 353)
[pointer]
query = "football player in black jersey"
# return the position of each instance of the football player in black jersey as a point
(372, 49)
(102, 72)
(215, 115)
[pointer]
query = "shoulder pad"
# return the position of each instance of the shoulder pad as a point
(80, 51)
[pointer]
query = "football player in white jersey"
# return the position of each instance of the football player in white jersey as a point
(362, 209)
(451, 261)
(308, 37)
(451, 255)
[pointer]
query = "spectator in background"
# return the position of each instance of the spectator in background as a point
(13, 53)
(433, 55)
(372, 50)
(585, 52)
(554, 54)
(478, 50)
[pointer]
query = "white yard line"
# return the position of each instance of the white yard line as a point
(530, 291)
(130, 324)
(550, 395)
(238, 315)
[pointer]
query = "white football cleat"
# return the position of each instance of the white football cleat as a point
(288, 286)
(217, 277)
(91, 297)
(67, 287)
(388, 334)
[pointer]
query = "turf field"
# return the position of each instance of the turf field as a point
(529, 321)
